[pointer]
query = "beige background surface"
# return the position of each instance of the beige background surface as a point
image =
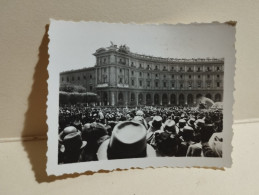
(23, 75)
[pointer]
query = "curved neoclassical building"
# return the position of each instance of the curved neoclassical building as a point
(123, 78)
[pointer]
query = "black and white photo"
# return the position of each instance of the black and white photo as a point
(131, 95)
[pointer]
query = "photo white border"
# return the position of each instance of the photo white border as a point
(53, 111)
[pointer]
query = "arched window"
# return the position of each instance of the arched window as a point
(132, 97)
(120, 96)
(173, 99)
(156, 99)
(218, 98)
(140, 98)
(105, 98)
(208, 95)
(181, 99)
(190, 99)
(164, 99)
(148, 99)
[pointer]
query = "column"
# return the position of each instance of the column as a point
(125, 94)
(136, 97)
(185, 99)
(160, 99)
(116, 98)
(194, 99)
(112, 100)
(144, 99)
(169, 98)
(152, 98)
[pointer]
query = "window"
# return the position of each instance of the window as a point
(172, 76)
(140, 83)
(190, 76)
(156, 75)
(199, 84)
(208, 85)
(148, 74)
(104, 60)
(164, 84)
(78, 78)
(140, 65)
(84, 77)
(218, 68)
(189, 69)
(148, 83)
(172, 68)
(181, 68)
(67, 79)
(218, 84)
(172, 85)
(181, 85)
(156, 83)
(199, 76)
(132, 82)
(132, 73)
(164, 76)
(156, 68)
(120, 80)
(208, 76)
(199, 69)
(190, 84)
(181, 76)
(208, 68)
(140, 74)
(62, 78)
(91, 88)
(132, 63)
(90, 76)
(164, 68)
(218, 76)
(73, 78)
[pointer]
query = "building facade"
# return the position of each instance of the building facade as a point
(123, 78)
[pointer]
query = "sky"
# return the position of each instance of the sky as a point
(72, 44)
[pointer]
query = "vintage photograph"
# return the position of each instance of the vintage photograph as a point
(141, 92)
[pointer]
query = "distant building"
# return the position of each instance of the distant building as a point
(123, 78)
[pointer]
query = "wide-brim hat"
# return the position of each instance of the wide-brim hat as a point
(191, 122)
(74, 140)
(102, 153)
(139, 113)
(157, 120)
(170, 126)
(128, 140)
(66, 131)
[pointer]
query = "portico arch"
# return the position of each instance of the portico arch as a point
(164, 99)
(156, 99)
(181, 99)
(190, 99)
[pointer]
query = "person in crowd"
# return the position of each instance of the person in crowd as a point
(128, 140)
(73, 150)
(181, 126)
(170, 131)
(186, 136)
(154, 125)
(166, 141)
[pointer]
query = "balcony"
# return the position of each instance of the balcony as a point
(122, 85)
(102, 85)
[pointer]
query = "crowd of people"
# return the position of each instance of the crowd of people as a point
(97, 133)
